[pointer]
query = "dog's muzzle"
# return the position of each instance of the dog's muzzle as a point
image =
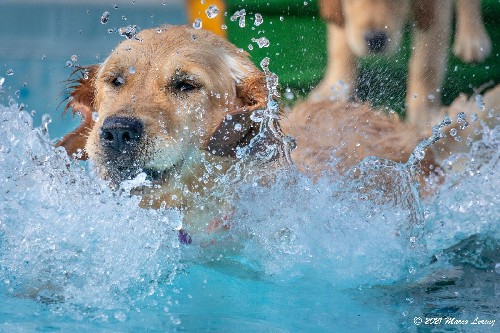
(121, 141)
(120, 135)
(376, 41)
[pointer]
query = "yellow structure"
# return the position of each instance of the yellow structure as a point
(197, 10)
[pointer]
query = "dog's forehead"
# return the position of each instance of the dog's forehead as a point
(171, 45)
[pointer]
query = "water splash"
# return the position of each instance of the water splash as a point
(261, 42)
(105, 17)
(239, 15)
(197, 24)
(212, 11)
(258, 20)
(60, 238)
(129, 31)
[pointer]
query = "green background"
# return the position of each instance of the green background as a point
(298, 52)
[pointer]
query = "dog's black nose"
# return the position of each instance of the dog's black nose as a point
(120, 133)
(376, 41)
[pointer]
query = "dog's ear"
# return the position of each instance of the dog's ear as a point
(331, 11)
(424, 13)
(237, 129)
(81, 100)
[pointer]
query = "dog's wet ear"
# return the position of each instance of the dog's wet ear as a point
(424, 13)
(331, 11)
(81, 100)
(237, 128)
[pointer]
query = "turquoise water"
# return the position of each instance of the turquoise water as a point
(300, 257)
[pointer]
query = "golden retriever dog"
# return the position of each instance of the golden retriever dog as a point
(357, 28)
(177, 104)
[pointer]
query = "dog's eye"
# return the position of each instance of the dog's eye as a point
(118, 81)
(184, 85)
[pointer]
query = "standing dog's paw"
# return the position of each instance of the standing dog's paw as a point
(472, 45)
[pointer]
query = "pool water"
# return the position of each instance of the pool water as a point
(300, 257)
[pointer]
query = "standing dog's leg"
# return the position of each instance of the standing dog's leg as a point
(427, 66)
(472, 43)
(340, 75)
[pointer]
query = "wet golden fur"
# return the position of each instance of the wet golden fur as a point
(191, 136)
(350, 21)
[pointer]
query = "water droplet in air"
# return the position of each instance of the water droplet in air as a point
(95, 116)
(129, 31)
(212, 11)
(497, 268)
(2, 80)
(131, 70)
(223, 27)
(124, 17)
(237, 127)
(69, 63)
(10, 72)
(74, 58)
(46, 120)
(105, 17)
(258, 20)
(453, 132)
(250, 47)
(116, 6)
(262, 42)
(479, 102)
(197, 24)
(431, 97)
(282, 18)
(240, 14)
(289, 94)
(110, 31)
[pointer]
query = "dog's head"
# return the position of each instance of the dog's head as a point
(376, 26)
(161, 98)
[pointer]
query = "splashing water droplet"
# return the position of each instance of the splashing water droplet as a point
(46, 120)
(262, 42)
(282, 18)
(131, 70)
(240, 14)
(238, 127)
(497, 268)
(2, 80)
(197, 24)
(250, 47)
(10, 72)
(69, 64)
(258, 20)
(289, 94)
(105, 17)
(212, 11)
(479, 102)
(453, 132)
(129, 31)
(110, 31)
(74, 58)
(431, 97)
(223, 27)
(95, 116)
